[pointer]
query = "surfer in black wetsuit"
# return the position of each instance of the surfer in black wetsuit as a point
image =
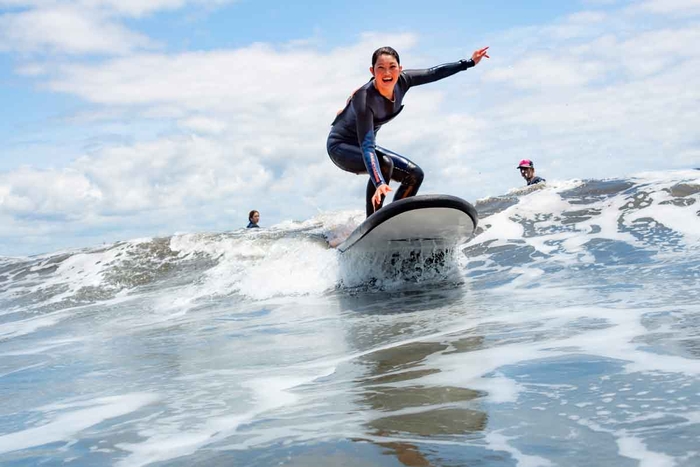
(351, 143)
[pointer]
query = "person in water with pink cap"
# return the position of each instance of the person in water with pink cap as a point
(527, 170)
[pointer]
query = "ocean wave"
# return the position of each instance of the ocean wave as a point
(649, 219)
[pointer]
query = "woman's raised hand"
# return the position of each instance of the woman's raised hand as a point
(479, 54)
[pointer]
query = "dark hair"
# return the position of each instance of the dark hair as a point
(251, 214)
(385, 51)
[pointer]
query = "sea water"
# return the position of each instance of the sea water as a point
(565, 333)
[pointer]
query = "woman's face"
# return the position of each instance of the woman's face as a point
(255, 218)
(386, 72)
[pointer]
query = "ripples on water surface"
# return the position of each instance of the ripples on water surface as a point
(566, 333)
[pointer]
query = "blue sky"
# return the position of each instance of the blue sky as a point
(132, 118)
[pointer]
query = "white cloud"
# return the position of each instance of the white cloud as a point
(133, 8)
(689, 158)
(676, 7)
(36, 193)
(587, 17)
(201, 124)
(600, 2)
(183, 172)
(549, 71)
(579, 24)
(155, 188)
(81, 26)
(137, 8)
(654, 51)
(66, 29)
(31, 69)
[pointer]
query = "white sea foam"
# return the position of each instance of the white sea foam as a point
(634, 448)
(169, 441)
(64, 426)
(249, 345)
(41, 347)
(260, 268)
(499, 442)
(23, 327)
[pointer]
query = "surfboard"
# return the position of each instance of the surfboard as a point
(418, 223)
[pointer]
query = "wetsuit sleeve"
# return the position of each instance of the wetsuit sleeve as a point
(366, 137)
(418, 77)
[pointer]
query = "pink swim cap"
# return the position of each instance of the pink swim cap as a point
(526, 163)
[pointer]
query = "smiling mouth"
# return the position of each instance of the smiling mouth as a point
(387, 80)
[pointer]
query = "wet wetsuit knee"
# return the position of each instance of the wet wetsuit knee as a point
(405, 172)
(410, 184)
(393, 166)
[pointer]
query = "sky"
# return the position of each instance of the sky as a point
(127, 119)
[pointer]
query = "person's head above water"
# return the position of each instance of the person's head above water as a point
(527, 171)
(386, 68)
(253, 218)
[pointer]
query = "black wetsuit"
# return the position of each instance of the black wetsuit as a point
(351, 143)
(535, 180)
(252, 225)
